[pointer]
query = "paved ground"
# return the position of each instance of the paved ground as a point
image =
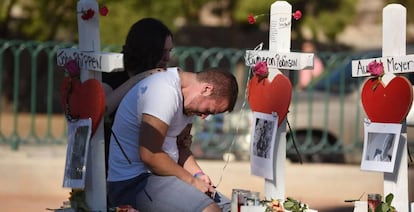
(31, 180)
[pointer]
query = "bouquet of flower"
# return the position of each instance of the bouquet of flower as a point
(289, 204)
(274, 206)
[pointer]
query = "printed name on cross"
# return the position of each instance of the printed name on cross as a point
(397, 64)
(291, 60)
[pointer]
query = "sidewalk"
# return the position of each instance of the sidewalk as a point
(31, 180)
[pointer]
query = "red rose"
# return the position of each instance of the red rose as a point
(297, 15)
(104, 11)
(88, 14)
(251, 19)
(260, 69)
(376, 68)
(72, 68)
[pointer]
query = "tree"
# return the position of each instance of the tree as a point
(38, 20)
(5, 16)
(44, 20)
(323, 18)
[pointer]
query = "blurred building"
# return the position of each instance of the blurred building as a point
(366, 31)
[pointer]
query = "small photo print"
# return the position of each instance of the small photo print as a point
(79, 133)
(381, 141)
(262, 138)
(262, 144)
(380, 146)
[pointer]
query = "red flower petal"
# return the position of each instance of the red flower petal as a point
(260, 69)
(72, 68)
(104, 11)
(84, 16)
(376, 68)
(251, 19)
(297, 15)
(88, 14)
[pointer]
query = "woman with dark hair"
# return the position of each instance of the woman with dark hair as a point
(147, 47)
(146, 51)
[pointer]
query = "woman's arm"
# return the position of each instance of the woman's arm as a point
(114, 96)
(184, 141)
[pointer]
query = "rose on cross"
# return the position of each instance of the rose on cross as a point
(376, 69)
(260, 70)
(104, 11)
(89, 13)
(251, 19)
(297, 15)
(72, 68)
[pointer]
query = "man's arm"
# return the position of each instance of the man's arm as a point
(150, 149)
(186, 158)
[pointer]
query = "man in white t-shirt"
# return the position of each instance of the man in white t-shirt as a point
(143, 169)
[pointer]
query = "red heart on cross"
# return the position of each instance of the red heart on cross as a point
(389, 104)
(86, 100)
(267, 97)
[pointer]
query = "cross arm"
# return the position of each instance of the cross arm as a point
(392, 64)
(280, 60)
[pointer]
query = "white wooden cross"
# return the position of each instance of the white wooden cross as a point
(92, 62)
(395, 61)
(279, 58)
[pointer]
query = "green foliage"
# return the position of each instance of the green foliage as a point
(115, 26)
(323, 18)
(294, 205)
(44, 20)
(245, 7)
(386, 206)
(78, 200)
(38, 20)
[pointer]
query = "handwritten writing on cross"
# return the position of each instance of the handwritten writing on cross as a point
(395, 61)
(92, 62)
(279, 57)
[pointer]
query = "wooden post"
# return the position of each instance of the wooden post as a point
(393, 44)
(92, 62)
(279, 60)
(395, 60)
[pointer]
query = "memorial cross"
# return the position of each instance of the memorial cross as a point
(395, 61)
(279, 59)
(91, 63)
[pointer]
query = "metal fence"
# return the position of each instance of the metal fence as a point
(320, 116)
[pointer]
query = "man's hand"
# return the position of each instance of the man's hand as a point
(204, 187)
(204, 178)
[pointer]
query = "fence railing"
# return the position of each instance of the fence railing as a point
(319, 116)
